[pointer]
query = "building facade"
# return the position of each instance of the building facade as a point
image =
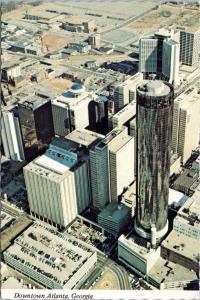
(170, 63)
(37, 130)
(70, 110)
(189, 47)
(11, 135)
(154, 119)
(106, 163)
(186, 120)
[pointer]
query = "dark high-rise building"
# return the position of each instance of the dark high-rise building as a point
(98, 115)
(36, 121)
(154, 124)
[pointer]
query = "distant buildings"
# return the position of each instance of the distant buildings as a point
(77, 24)
(95, 40)
(189, 47)
(11, 135)
(154, 121)
(36, 121)
(186, 121)
(79, 47)
(10, 71)
(70, 110)
(126, 91)
(110, 172)
(55, 260)
(159, 55)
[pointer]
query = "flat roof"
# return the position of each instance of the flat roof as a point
(110, 136)
(129, 109)
(84, 137)
(5, 218)
(41, 13)
(191, 206)
(115, 211)
(187, 178)
(33, 101)
(48, 251)
(51, 164)
(182, 244)
(153, 88)
(118, 144)
(166, 271)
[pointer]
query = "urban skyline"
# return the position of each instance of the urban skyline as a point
(100, 148)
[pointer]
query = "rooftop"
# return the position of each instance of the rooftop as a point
(191, 206)
(119, 143)
(181, 244)
(187, 178)
(128, 109)
(110, 136)
(165, 272)
(53, 254)
(154, 88)
(115, 212)
(33, 101)
(84, 137)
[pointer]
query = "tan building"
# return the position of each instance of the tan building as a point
(185, 122)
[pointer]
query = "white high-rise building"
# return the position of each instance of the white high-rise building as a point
(185, 130)
(190, 46)
(159, 55)
(70, 110)
(126, 91)
(57, 185)
(121, 169)
(170, 62)
(107, 166)
(11, 136)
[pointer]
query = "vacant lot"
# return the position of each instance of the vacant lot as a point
(166, 16)
(54, 41)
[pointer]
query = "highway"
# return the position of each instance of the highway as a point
(105, 262)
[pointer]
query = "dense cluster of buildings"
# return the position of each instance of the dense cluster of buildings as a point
(118, 152)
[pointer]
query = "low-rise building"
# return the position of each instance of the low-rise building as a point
(137, 256)
(114, 218)
(181, 249)
(187, 219)
(53, 259)
(187, 182)
(168, 275)
(79, 47)
(77, 24)
(129, 198)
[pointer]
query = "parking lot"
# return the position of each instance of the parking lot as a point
(92, 236)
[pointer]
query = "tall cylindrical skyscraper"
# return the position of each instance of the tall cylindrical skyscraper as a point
(154, 123)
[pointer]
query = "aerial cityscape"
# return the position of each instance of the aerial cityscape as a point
(100, 146)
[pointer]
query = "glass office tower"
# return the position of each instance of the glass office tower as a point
(154, 124)
(36, 123)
